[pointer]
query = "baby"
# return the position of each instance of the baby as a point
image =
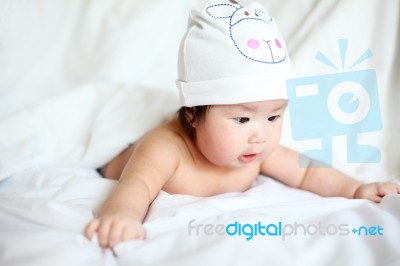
(232, 67)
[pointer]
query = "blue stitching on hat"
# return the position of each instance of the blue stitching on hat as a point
(249, 18)
(223, 5)
(231, 25)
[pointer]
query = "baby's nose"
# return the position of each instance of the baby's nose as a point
(257, 138)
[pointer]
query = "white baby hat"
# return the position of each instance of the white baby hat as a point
(232, 54)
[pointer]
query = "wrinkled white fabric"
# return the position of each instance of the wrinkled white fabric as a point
(81, 79)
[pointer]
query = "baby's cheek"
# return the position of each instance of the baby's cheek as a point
(253, 44)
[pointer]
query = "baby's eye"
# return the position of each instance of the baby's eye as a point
(242, 120)
(273, 118)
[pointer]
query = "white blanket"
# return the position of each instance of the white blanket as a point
(80, 80)
(44, 210)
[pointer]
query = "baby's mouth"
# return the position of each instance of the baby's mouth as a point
(248, 158)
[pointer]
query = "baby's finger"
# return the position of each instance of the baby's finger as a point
(115, 234)
(91, 228)
(133, 232)
(102, 233)
(376, 198)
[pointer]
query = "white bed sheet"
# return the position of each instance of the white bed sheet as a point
(44, 210)
(97, 74)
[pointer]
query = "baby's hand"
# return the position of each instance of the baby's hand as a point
(376, 191)
(114, 228)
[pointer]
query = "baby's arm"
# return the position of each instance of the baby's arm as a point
(283, 164)
(120, 218)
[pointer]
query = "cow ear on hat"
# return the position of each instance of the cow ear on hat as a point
(260, 11)
(222, 8)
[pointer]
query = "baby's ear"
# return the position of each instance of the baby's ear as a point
(221, 8)
(190, 111)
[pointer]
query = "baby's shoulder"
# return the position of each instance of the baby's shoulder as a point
(157, 151)
(166, 136)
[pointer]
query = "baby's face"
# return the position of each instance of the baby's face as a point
(238, 135)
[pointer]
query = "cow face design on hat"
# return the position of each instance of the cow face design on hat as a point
(252, 30)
